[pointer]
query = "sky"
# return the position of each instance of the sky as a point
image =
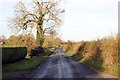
(83, 19)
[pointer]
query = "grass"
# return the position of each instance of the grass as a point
(25, 64)
(98, 65)
(95, 64)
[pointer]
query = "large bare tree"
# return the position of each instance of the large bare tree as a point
(37, 14)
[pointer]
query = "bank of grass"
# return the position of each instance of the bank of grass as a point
(98, 65)
(25, 64)
(101, 54)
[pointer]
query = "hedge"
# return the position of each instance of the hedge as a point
(11, 54)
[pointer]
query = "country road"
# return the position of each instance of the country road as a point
(59, 65)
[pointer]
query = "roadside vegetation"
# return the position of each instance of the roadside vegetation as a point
(25, 64)
(26, 19)
(16, 45)
(101, 54)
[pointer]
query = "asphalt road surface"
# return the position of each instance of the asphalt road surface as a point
(59, 65)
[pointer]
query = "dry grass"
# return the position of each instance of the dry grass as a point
(101, 54)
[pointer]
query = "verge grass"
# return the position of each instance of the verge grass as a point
(25, 64)
(98, 65)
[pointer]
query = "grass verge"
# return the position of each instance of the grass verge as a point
(25, 64)
(98, 65)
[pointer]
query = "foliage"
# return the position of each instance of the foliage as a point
(13, 54)
(109, 48)
(66, 45)
(73, 49)
(101, 54)
(79, 55)
(51, 41)
(70, 47)
(91, 49)
(109, 52)
(26, 40)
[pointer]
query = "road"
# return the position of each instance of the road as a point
(59, 65)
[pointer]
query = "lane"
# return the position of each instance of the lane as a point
(54, 66)
(59, 65)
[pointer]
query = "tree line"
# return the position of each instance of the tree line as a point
(29, 41)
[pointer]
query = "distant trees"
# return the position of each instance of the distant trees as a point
(29, 41)
(44, 15)
(51, 41)
(66, 45)
(26, 40)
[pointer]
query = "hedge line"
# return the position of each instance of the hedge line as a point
(11, 54)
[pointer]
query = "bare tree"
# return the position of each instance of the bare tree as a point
(37, 15)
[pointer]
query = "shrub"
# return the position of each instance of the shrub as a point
(89, 49)
(11, 54)
(37, 51)
(109, 48)
(102, 54)
(73, 49)
(65, 47)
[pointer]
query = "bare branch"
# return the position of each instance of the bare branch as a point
(25, 24)
(33, 15)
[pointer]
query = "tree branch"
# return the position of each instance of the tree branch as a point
(25, 24)
(48, 9)
(33, 15)
(46, 29)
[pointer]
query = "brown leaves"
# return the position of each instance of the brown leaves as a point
(27, 40)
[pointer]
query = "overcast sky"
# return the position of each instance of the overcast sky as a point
(83, 19)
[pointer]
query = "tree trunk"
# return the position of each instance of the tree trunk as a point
(40, 36)
(40, 33)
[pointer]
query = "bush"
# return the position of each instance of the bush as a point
(65, 47)
(37, 51)
(73, 49)
(101, 54)
(11, 54)
(109, 50)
